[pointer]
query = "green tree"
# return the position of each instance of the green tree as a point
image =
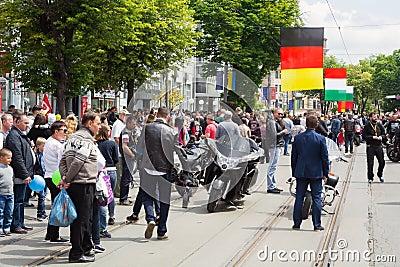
(386, 78)
(360, 76)
(244, 34)
(43, 46)
(66, 46)
(140, 38)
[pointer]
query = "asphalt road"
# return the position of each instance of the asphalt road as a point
(257, 234)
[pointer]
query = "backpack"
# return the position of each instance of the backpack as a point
(348, 125)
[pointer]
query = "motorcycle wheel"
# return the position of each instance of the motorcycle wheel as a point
(388, 150)
(180, 189)
(307, 205)
(357, 140)
(213, 200)
(185, 200)
(393, 155)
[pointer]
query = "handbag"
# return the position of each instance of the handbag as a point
(101, 194)
(63, 212)
(109, 188)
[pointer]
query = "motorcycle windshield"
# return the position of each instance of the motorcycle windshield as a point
(197, 158)
(333, 149)
(233, 146)
(239, 148)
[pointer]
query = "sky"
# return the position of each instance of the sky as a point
(368, 27)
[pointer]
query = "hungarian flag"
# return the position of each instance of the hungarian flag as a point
(349, 93)
(343, 106)
(335, 84)
(349, 103)
(46, 107)
(302, 56)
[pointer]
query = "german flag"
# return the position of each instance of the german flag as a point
(302, 55)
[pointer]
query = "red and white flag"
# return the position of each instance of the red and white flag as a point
(46, 105)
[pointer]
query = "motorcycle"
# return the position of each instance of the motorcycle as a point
(329, 191)
(187, 171)
(233, 171)
(357, 135)
(393, 149)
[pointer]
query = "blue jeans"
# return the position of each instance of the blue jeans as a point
(139, 203)
(348, 141)
(149, 185)
(316, 192)
(334, 137)
(96, 224)
(18, 213)
(274, 154)
(41, 208)
(113, 180)
(287, 138)
(6, 211)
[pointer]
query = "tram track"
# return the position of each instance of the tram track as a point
(62, 250)
(241, 256)
(328, 240)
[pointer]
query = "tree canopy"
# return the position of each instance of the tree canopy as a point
(244, 34)
(66, 47)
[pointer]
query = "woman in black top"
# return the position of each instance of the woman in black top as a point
(39, 128)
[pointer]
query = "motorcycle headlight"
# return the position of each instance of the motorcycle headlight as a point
(227, 163)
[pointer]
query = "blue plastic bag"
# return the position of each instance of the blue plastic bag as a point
(63, 212)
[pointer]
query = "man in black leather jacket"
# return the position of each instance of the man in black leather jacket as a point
(159, 141)
(373, 133)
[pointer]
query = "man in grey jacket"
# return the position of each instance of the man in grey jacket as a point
(22, 164)
(78, 168)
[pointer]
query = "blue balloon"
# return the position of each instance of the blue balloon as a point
(37, 184)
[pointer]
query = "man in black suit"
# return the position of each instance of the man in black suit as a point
(158, 142)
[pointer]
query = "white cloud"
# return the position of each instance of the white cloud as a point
(361, 42)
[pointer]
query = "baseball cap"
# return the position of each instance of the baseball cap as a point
(124, 111)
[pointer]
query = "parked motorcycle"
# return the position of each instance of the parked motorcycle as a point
(187, 172)
(357, 135)
(233, 171)
(393, 149)
(329, 191)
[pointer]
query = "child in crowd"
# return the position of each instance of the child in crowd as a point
(192, 141)
(340, 139)
(40, 170)
(6, 192)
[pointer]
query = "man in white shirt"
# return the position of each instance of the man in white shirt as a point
(119, 125)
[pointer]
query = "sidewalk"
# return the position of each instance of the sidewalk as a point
(198, 238)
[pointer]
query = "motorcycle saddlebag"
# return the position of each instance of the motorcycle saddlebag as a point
(332, 180)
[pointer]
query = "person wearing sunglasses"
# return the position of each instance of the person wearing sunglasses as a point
(52, 153)
(275, 133)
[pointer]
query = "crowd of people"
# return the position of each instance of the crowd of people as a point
(41, 145)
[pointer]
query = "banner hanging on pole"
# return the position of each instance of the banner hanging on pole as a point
(302, 55)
